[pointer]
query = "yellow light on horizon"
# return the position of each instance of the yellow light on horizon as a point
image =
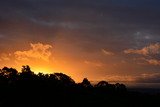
(41, 70)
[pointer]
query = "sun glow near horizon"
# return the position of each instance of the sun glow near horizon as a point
(42, 59)
(41, 70)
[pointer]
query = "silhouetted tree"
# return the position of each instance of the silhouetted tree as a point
(26, 72)
(104, 87)
(102, 84)
(40, 75)
(1, 73)
(52, 77)
(59, 90)
(120, 87)
(27, 78)
(64, 79)
(3, 77)
(26, 69)
(9, 73)
(86, 83)
(13, 73)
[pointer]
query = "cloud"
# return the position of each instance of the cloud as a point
(37, 51)
(149, 78)
(141, 78)
(96, 64)
(150, 54)
(5, 57)
(147, 61)
(62, 24)
(153, 61)
(119, 78)
(107, 52)
(152, 49)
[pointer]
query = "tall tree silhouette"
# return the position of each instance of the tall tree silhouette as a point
(26, 72)
(64, 79)
(86, 83)
(102, 84)
(9, 72)
(27, 77)
(8, 75)
(26, 69)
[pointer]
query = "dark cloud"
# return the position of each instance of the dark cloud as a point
(113, 19)
(84, 29)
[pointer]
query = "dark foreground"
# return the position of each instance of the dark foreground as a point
(27, 89)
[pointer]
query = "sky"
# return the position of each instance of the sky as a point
(113, 40)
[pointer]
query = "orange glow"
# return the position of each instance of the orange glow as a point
(41, 70)
(46, 58)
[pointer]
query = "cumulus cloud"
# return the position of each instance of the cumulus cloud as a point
(107, 52)
(152, 49)
(37, 51)
(5, 57)
(149, 54)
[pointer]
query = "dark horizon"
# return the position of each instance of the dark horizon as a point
(137, 86)
(27, 89)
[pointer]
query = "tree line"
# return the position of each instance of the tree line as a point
(27, 89)
(10, 76)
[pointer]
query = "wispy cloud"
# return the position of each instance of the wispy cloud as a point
(63, 24)
(95, 64)
(141, 78)
(109, 53)
(149, 78)
(152, 49)
(119, 78)
(153, 61)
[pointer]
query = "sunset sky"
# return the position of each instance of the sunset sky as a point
(114, 40)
